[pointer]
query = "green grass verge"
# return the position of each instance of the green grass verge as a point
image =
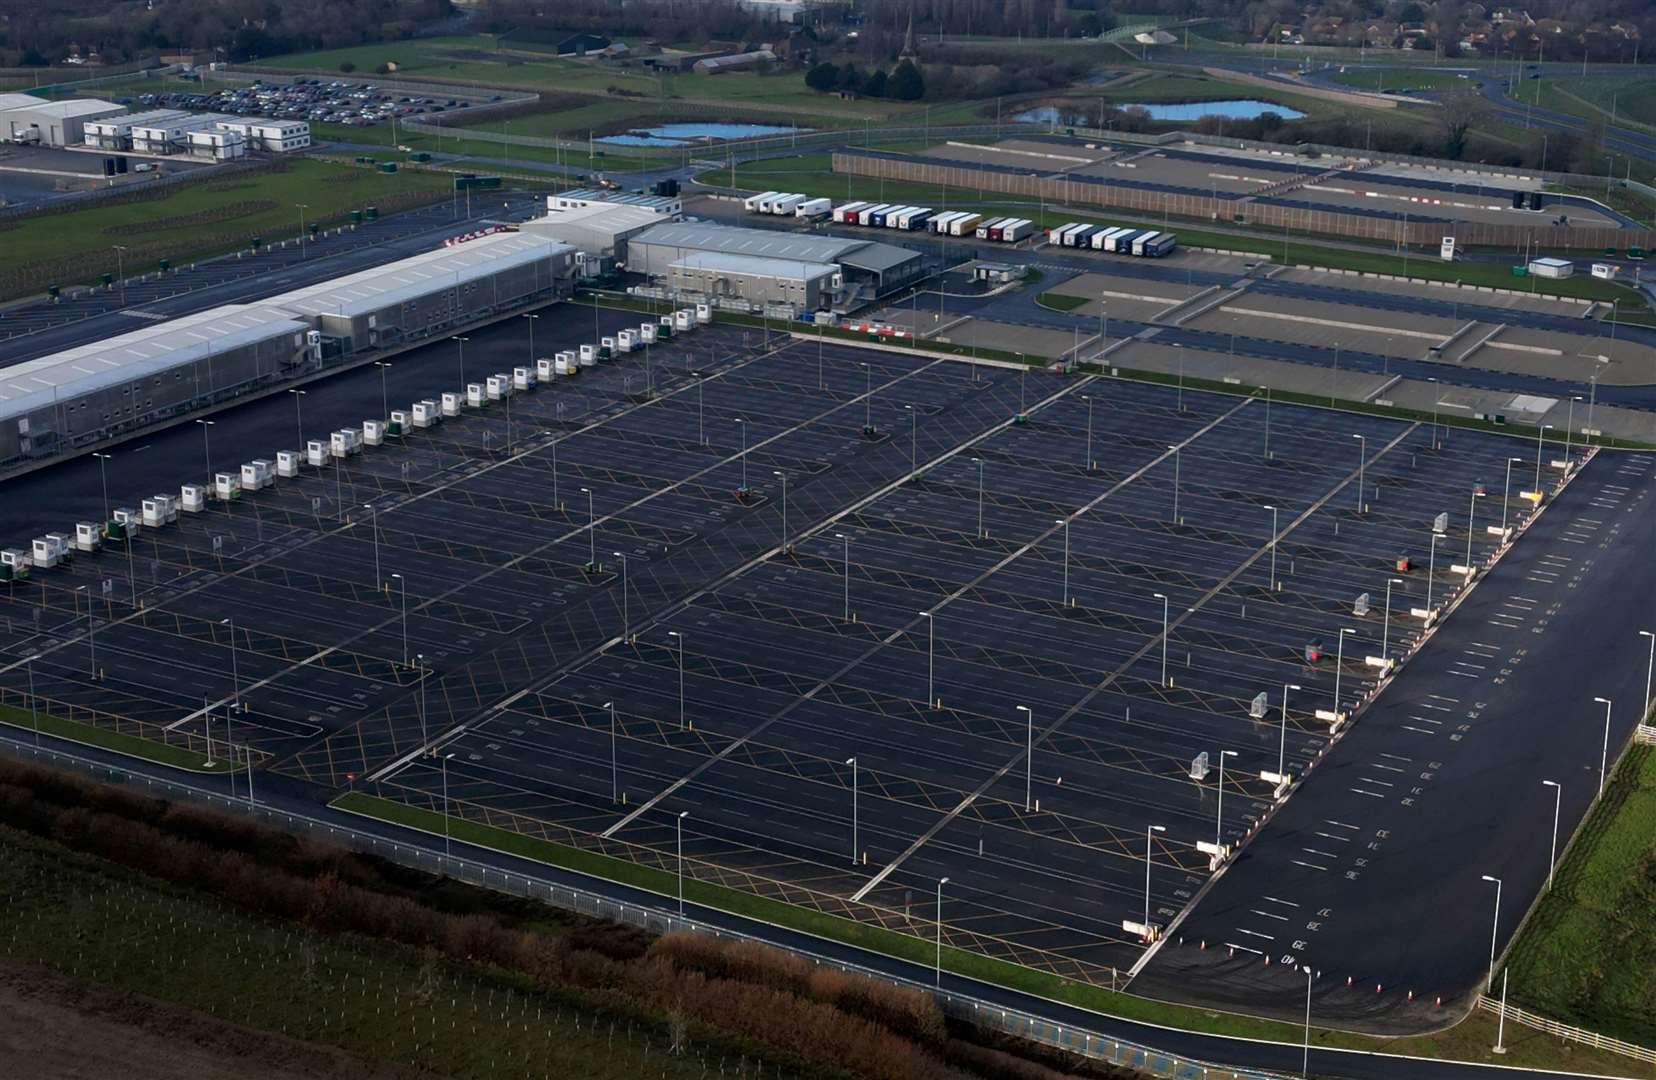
(810, 174)
(1469, 1041)
(1588, 951)
(397, 1009)
(1382, 79)
(131, 745)
(197, 219)
(1061, 302)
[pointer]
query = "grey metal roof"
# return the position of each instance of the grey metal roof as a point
(420, 275)
(19, 101)
(757, 265)
(613, 219)
(74, 107)
(699, 236)
(619, 198)
(154, 117)
(36, 383)
(879, 258)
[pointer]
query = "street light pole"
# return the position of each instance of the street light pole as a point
(1431, 569)
(1506, 495)
(626, 609)
(1305, 1052)
(1029, 755)
(385, 389)
(1558, 800)
(1539, 433)
(461, 342)
(615, 782)
(1650, 665)
(1385, 622)
(1175, 450)
(207, 451)
(592, 533)
(1282, 742)
(298, 417)
(1339, 666)
(979, 462)
(680, 637)
(1273, 511)
(1604, 756)
(937, 969)
(851, 761)
(1362, 465)
(1219, 826)
(682, 815)
(1163, 599)
(845, 572)
(787, 548)
(742, 423)
(1494, 932)
(1064, 522)
(931, 641)
(235, 670)
(446, 848)
(1148, 833)
(1091, 466)
(402, 587)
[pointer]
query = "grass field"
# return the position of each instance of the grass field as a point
(474, 60)
(1061, 301)
(177, 756)
(812, 175)
(197, 219)
(1587, 955)
(381, 1002)
(1392, 79)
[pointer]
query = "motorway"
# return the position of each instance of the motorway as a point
(1372, 873)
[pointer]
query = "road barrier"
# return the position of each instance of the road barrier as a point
(1565, 1031)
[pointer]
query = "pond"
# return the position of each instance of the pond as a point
(1239, 109)
(691, 134)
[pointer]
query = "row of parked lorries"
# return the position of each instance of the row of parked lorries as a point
(1150, 243)
(1145, 243)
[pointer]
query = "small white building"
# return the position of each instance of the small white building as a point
(115, 132)
(270, 136)
(1552, 268)
(172, 136)
(215, 145)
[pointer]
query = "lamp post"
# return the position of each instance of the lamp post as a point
(979, 462)
(1219, 826)
(845, 572)
(385, 389)
(1274, 534)
(741, 421)
(1494, 932)
(931, 641)
(444, 767)
(615, 783)
(301, 207)
(1650, 665)
(1385, 622)
(373, 528)
(937, 968)
(592, 533)
(1471, 512)
(1305, 1052)
(1176, 455)
(1339, 666)
(787, 548)
(1091, 466)
(914, 440)
(103, 478)
(120, 269)
(532, 318)
(680, 638)
(402, 587)
(851, 761)
(1558, 800)
(461, 342)
(1149, 832)
(1029, 755)
(420, 705)
(1282, 741)
(680, 822)
(235, 670)
(207, 450)
(1064, 523)
(1506, 494)
(1539, 433)
(298, 416)
(1604, 755)
(1362, 465)
(1163, 599)
(626, 609)
(1431, 568)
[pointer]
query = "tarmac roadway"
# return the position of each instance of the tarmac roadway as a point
(1372, 873)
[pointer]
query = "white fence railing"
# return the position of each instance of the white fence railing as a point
(1565, 1031)
(1645, 735)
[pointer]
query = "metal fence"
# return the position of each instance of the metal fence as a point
(1035, 1028)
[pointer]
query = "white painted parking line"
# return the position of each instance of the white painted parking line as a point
(1274, 900)
(1269, 914)
(1370, 794)
(1331, 836)
(1421, 731)
(1254, 933)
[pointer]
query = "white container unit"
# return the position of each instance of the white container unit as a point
(524, 378)
(1017, 230)
(44, 553)
(606, 347)
(401, 421)
(164, 512)
(345, 442)
(257, 474)
(626, 340)
(496, 387)
(567, 362)
(684, 321)
(316, 453)
(704, 314)
(192, 498)
(422, 415)
(227, 486)
(847, 212)
(965, 225)
(785, 205)
(453, 404)
(87, 536)
(373, 434)
(755, 204)
(128, 519)
(814, 209)
(475, 395)
(589, 355)
(14, 562)
(546, 369)
(646, 333)
(1552, 268)
(288, 463)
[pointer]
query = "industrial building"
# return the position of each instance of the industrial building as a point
(269, 136)
(172, 136)
(426, 294)
(803, 286)
(669, 206)
(84, 395)
(115, 132)
(597, 228)
(53, 123)
(867, 269)
(215, 144)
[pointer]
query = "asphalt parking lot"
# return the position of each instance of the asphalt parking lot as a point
(531, 613)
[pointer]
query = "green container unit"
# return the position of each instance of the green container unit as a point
(165, 265)
(419, 155)
(387, 166)
(107, 279)
(314, 229)
(258, 242)
(1635, 253)
(371, 213)
(603, 352)
(356, 218)
(114, 530)
(1520, 271)
(393, 428)
(53, 291)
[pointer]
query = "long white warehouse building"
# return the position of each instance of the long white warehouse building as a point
(57, 403)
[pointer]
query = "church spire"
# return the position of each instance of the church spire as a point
(909, 52)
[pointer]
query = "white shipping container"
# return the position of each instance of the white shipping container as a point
(1552, 268)
(785, 205)
(1017, 230)
(754, 204)
(963, 226)
(814, 208)
(848, 211)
